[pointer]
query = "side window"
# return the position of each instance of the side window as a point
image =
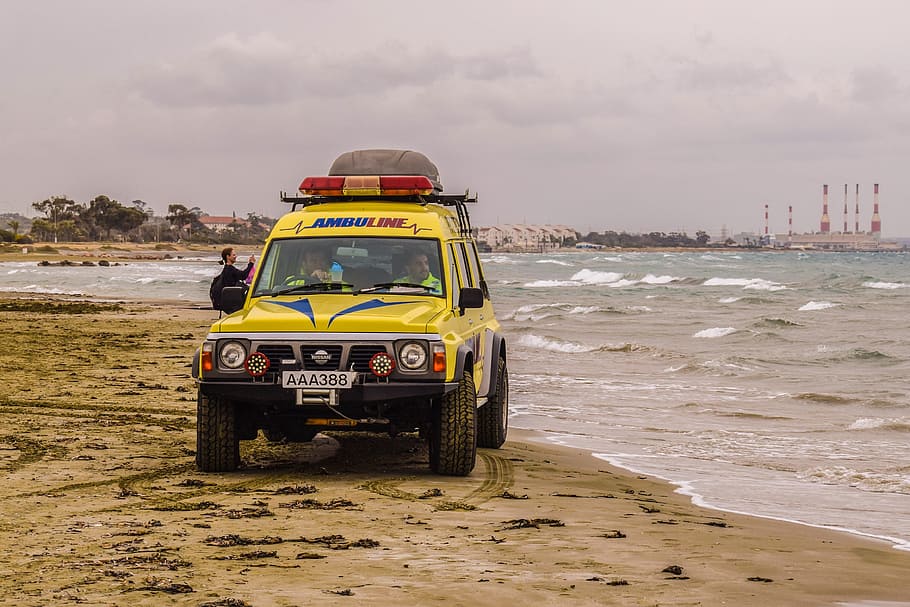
(464, 278)
(477, 270)
(470, 269)
(455, 272)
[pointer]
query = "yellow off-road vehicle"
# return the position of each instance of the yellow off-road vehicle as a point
(368, 311)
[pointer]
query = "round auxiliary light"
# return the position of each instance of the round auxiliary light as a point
(257, 364)
(381, 364)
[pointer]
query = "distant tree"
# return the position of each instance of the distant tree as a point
(14, 225)
(702, 238)
(183, 218)
(63, 218)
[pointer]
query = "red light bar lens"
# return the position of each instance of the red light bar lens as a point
(405, 185)
(322, 186)
(257, 364)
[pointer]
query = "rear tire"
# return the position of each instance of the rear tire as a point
(453, 435)
(217, 441)
(493, 417)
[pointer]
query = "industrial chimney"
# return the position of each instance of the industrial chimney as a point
(845, 209)
(876, 220)
(826, 221)
(856, 214)
(790, 223)
(766, 220)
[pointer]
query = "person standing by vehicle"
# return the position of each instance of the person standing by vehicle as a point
(231, 276)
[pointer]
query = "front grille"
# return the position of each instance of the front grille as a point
(276, 354)
(310, 364)
(360, 356)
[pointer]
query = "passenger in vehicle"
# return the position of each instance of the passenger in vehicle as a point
(317, 266)
(418, 273)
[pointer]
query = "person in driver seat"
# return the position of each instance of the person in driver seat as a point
(317, 266)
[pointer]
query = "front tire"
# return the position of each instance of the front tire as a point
(493, 417)
(453, 435)
(217, 441)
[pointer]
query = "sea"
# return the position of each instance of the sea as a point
(769, 383)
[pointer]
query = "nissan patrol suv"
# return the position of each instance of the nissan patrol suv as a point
(368, 311)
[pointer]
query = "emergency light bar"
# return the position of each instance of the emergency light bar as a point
(367, 185)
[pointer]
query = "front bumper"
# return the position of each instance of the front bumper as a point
(256, 392)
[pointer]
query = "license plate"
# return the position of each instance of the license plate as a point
(333, 380)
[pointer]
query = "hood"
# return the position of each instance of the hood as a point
(334, 313)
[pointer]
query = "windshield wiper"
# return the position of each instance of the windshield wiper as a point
(388, 285)
(314, 287)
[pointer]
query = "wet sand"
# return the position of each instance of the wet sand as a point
(102, 504)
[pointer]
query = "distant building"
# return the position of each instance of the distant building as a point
(522, 237)
(220, 223)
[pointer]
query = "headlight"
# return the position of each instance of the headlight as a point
(413, 356)
(232, 355)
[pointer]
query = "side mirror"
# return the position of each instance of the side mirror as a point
(470, 297)
(232, 299)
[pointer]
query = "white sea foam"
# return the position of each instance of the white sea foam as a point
(554, 261)
(729, 299)
(759, 284)
(554, 345)
(535, 284)
(715, 332)
(659, 280)
(885, 285)
(596, 278)
(817, 305)
(875, 423)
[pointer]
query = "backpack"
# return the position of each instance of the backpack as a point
(215, 291)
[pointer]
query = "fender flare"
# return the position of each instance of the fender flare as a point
(495, 351)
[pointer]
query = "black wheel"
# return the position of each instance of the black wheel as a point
(453, 435)
(493, 417)
(217, 442)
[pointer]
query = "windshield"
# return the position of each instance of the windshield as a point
(346, 265)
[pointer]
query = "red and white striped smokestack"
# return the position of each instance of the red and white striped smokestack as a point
(826, 221)
(790, 221)
(845, 208)
(876, 220)
(766, 220)
(856, 214)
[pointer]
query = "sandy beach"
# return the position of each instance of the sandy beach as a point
(102, 504)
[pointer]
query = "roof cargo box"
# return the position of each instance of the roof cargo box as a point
(386, 162)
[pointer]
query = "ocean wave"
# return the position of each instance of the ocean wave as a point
(813, 306)
(877, 423)
(570, 347)
(554, 345)
(728, 300)
(818, 397)
(715, 332)
(536, 312)
(758, 284)
(659, 280)
(39, 289)
(877, 482)
(536, 284)
(885, 285)
(597, 278)
(554, 261)
(778, 322)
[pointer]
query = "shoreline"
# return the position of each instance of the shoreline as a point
(102, 498)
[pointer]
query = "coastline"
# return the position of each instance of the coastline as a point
(103, 504)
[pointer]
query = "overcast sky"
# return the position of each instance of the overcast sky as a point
(636, 116)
